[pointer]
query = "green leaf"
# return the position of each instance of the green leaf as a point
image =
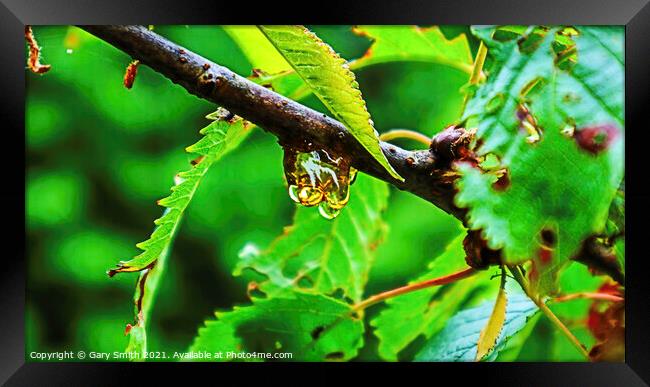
(214, 145)
(490, 333)
(426, 311)
(458, 341)
(323, 255)
(390, 44)
(554, 183)
(145, 291)
(219, 138)
(312, 327)
(331, 80)
(413, 44)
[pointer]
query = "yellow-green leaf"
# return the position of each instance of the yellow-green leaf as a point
(331, 80)
(490, 333)
(458, 340)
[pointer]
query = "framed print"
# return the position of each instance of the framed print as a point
(430, 188)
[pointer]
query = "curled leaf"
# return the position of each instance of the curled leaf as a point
(490, 333)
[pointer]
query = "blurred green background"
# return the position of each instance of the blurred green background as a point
(99, 156)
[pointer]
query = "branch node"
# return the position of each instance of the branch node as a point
(452, 144)
(477, 253)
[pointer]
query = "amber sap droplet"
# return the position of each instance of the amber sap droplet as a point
(337, 196)
(317, 177)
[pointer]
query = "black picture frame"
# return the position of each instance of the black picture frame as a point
(14, 14)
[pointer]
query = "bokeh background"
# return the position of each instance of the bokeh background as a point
(99, 156)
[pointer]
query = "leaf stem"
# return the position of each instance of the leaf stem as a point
(548, 312)
(591, 296)
(477, 71)
(405, 133)
(447, 279)
(556, 321)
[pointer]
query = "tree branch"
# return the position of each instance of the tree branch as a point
(427, 173)
(292, 122)
(600, 258)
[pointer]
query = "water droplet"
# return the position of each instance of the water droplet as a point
(328, 212)
(178, 180)
(250, 250)
(293, 193)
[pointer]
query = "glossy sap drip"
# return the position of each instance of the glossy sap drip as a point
(316, 178)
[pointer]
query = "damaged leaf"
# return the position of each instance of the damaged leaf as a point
(220, 137)
(311, 327)
(606, 321)
(553, 183)
(323, 255)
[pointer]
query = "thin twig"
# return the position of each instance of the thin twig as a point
(447, 279)
(548, 312)
(405, 133)
(590, 296)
